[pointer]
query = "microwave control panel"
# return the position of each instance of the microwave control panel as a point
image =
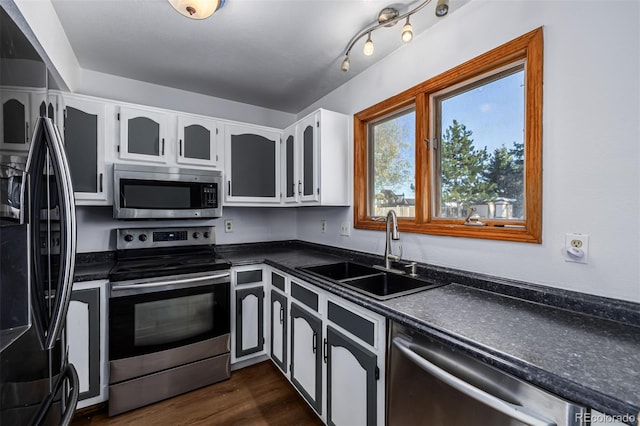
(138, 238)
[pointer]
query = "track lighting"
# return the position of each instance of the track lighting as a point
(368, 46)
(407, 32)
(442, 8)
(345, 64)
(388, 17)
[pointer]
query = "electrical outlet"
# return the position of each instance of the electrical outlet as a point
(228, 226)
(345, 229)
(323, 226)
(576, 248)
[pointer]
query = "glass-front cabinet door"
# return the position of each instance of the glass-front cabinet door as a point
(252, 164)
(198, 141)
(292, 188)
(15, 126)
(308, 142)
(84, 139)
(143, 134)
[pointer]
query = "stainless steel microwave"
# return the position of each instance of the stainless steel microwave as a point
(153, 192)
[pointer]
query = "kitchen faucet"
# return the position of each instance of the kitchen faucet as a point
(392, 234)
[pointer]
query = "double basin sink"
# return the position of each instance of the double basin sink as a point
(373, 282)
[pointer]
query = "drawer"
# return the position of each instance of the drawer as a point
(305, 296)
(278, 281)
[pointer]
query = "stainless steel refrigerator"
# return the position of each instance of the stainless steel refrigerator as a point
(37, 242)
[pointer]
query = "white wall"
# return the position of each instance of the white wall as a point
(124, 89)
(96, 226)
(591, 139)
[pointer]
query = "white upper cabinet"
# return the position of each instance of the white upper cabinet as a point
(143, 134)
(84, 135)
(17, 127)
(252, 164)
(315, 160)
(198, 141)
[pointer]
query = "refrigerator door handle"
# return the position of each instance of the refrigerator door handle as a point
(71, 400)
(68, 240)
(46, 144)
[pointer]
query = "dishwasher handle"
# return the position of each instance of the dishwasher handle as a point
(514, 411)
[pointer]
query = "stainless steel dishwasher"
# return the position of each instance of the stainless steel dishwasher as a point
(432, 384)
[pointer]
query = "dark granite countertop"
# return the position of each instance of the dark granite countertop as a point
(586, 357)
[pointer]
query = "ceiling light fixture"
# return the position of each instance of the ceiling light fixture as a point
(442, 8)
(368, 46)
(407, 32)
(388, 17)
(196, 9)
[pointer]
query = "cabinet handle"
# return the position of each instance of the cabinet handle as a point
(229, 188)
(315, 342)
(100, 182)
(180, 147)
(26, 131)
(162, 146)
(325, 350)
(281, 314)
(300, 188)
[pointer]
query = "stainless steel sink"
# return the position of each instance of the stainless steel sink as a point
(371, 281)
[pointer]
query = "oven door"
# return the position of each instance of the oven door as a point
(167, 314)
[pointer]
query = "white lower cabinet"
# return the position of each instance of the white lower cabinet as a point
(247, 323)
(86, 336)
(279, 321)
(306, 355)
(336, 351)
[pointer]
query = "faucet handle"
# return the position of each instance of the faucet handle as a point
(414, 269)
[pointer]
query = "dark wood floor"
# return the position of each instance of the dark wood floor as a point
(256, 395)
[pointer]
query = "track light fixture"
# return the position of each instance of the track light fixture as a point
(368, 46)
(388, 17)
(407, 32)
(442, 8)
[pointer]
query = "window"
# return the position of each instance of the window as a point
(459, 154)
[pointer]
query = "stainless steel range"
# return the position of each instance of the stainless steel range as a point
(168, 315)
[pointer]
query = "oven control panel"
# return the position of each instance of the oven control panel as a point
(137, 238)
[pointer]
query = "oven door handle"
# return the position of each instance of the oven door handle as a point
(170, 282)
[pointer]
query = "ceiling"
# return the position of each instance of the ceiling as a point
(278, 54)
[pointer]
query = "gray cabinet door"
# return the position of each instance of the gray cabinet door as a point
(351, 381)
(306, 355)
(279, 316)
(83, 329)
(308, 153)
(15, 120)
(249, 321)
(290, 177)
(142, 134)
(196, 143)
(81, 145)
(252, 165)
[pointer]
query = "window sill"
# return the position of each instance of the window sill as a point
(493, 230)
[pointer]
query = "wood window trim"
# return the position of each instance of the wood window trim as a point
(528, 46)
